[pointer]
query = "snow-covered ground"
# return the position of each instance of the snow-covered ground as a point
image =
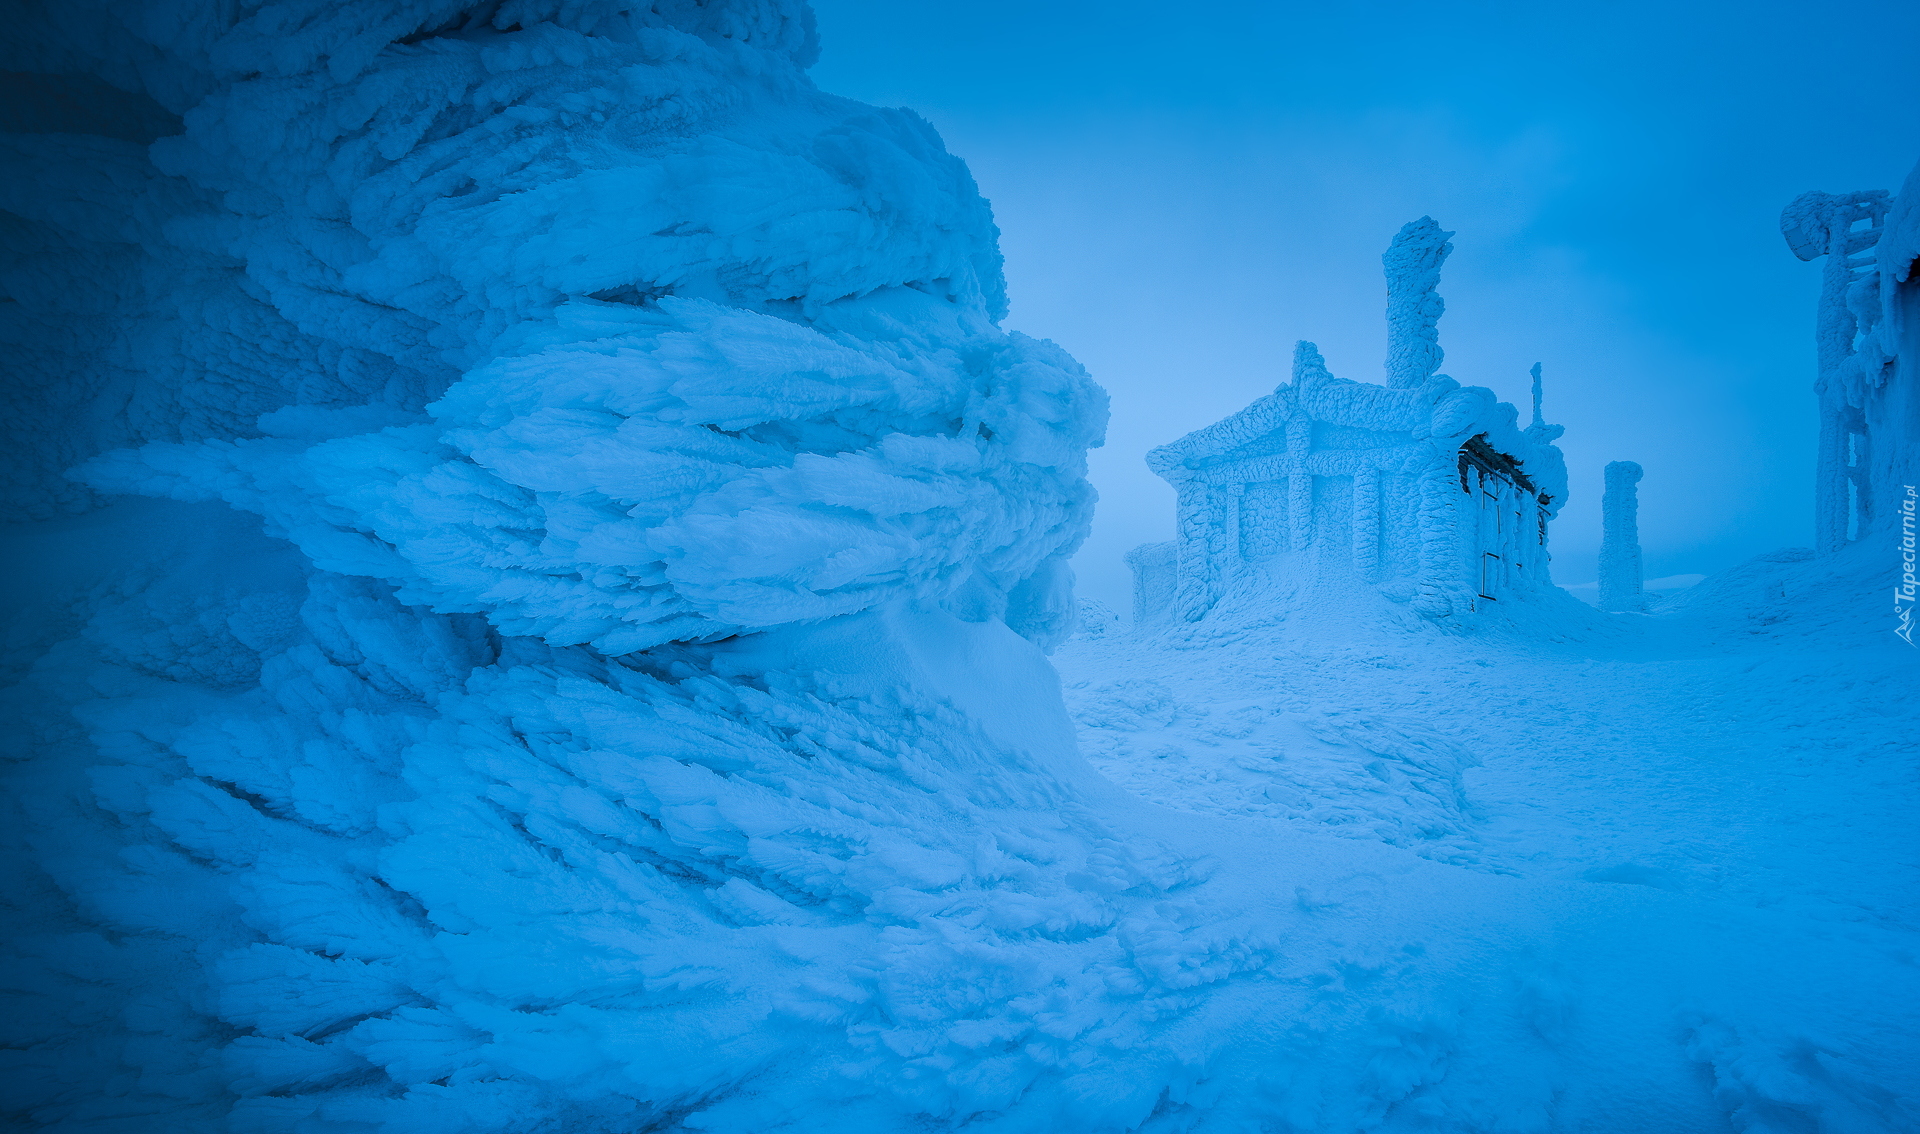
(1745, 755)
(1666, 750)
(1662, 587)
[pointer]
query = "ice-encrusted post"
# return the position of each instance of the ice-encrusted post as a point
(1620, 577)
(1439, 552)
(1414, 305)
(1538, 419)
(1299, 485)
(1366, 522)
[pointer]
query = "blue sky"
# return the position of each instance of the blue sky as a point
(1186, 190)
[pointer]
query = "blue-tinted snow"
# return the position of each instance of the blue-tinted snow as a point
(547, 635)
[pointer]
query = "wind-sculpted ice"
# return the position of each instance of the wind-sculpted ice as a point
(546, 337)
(701, 471)
(788, 402)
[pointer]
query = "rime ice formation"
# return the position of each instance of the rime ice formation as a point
(1621, 577)
(532, 336)
(1868, 346)
(585, 223)
(1865, 338)
(1423, 489)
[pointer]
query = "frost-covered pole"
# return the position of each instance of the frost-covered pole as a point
(1815, 225)
(1440, 565)
(1620, 578)
(1299, 485)
(1538, 420)
(1366, 522)
(1414, 305)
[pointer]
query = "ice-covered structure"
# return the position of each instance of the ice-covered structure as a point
(1426, 490)
(1867, 340)
(489, 466)
(1622, 578)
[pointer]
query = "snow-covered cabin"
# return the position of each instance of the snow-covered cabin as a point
(1428, 490)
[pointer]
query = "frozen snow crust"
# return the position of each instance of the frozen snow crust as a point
(553, 643)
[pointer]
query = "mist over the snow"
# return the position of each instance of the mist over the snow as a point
(1182, 197)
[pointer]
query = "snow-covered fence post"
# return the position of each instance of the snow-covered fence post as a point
(1620, 577)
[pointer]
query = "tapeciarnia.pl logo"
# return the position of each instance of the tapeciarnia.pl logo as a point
(1903, 595)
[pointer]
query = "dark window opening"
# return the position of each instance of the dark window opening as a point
(1477, 454)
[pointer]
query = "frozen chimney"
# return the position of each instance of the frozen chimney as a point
(1414, 305)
